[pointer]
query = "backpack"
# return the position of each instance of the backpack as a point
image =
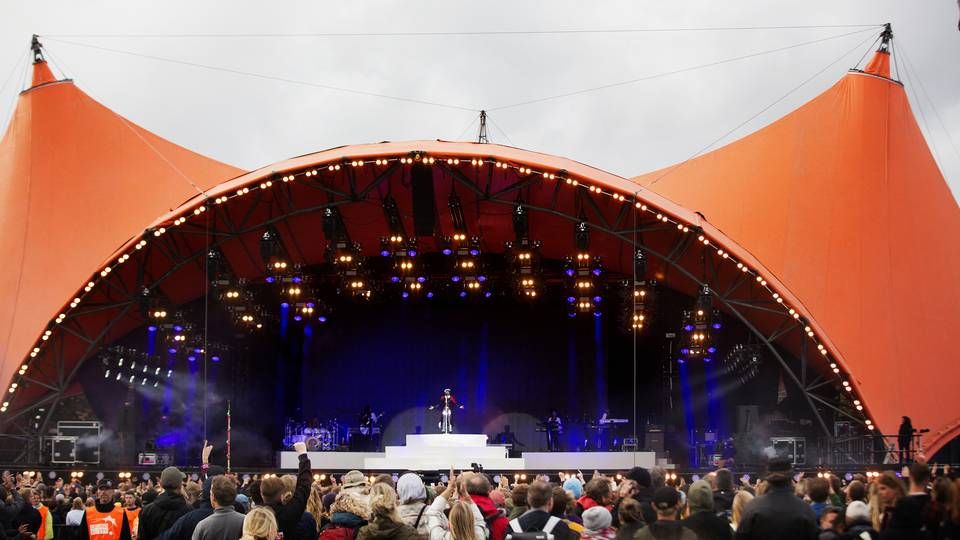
(336, 532)
(516, 531)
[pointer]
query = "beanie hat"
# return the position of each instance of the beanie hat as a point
(700, 497)
(573, 485)
(171, 478)
(410, 488)
(857, 511)
(596, 518)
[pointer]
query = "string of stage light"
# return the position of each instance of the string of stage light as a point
(675, 72)
(455, 33)
(266, 77)
(758, 113)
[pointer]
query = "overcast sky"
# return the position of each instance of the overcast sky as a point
(627, 129)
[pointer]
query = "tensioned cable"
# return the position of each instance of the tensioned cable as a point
(502, 132)
(761, 111)
(912, 68)
(568, 31)
(267, 77)
(910, 88)
(676, 71)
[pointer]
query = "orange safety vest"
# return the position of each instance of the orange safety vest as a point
(44, 516)
(105, 526)
(132, 519)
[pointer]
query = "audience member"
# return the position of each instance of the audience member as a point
(540, 499)
(107, 519)
(740, 500)
(778, 513)
(597, 524)
(496, 520)
(666, 504)
(259, 524)
(413, 509)
(857, 518)
(225, 523)
(385, 522)
(631, 519)
(702, 518)
(289, 514)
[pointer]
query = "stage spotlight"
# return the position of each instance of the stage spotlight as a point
(701, 326)
(743, 362)
(349, 263)
(456, 213)
(584, 278)
(274, 256)
(392, 214)
(523, 256)
(639, 295)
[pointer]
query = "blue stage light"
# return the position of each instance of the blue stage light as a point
(322, 318)
(172, 350)
(270, 279)
(192, 358)
(405, 294)
(463, 294)
(215, 359)
(474, 252)
(152, 328)
(284, 305)
(385, 253)
(395, 279)
(455, 279)
(429, 295)
(447, 251)
(412, 253)
(421, 279)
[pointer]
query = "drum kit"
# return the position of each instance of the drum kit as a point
(318, 438)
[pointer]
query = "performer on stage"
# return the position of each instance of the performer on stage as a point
(603, 431)
(509, 438)
(368, 420)
(448, 402)
(554, 426)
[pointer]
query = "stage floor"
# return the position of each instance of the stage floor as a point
(530, 461)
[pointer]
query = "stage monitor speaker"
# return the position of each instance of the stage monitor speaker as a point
(63, 449)
(424, 203)
(87, 435)
(655, 441)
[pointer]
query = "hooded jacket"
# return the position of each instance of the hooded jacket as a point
(288, 515)
(161, 514)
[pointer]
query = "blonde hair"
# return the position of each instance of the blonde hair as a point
(77, 504)
(289, 486)
(191, 491)
(315, 504)
(259, 524)
(740, 500)
(461, 521)
(383, 502)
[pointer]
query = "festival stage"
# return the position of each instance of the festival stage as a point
(435, 452)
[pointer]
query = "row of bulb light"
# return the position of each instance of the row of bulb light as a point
(422, 158)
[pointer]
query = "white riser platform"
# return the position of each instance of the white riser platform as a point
(481, 452)
(458, 440)
(441, 464)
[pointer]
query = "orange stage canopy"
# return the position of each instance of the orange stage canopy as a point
(843, 202)
(76, 181)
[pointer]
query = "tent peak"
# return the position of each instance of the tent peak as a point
(879, 65)
(41, 70)
(37, 48)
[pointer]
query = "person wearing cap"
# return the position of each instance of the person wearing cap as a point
(166, 509)
(778, 513)
(290, 513)
(105, 520)
(702, 518)
(666, 504)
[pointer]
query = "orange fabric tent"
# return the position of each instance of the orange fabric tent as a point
(843, 202)
(76, 181)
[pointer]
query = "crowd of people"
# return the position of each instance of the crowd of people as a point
(638, 504)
